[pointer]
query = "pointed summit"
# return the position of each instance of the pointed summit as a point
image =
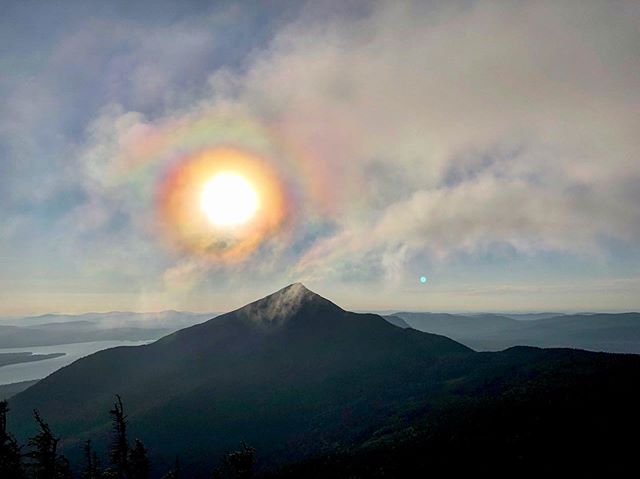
(296, 292)
(279, 307)
(296, 288)
(276, 366)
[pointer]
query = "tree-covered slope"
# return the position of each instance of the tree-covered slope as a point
(524, 412)
(292, 374)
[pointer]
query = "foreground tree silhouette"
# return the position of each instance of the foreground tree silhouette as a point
(119, 451)
(63, 468)
(237, 464)
(46, 463)
(126, 463)
(139, 466)
(10, 459)
(92, 464)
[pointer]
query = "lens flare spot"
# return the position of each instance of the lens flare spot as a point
(228, 199)
(423, 279)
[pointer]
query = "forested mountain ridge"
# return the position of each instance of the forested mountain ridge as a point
(282, 370)
(301, 379)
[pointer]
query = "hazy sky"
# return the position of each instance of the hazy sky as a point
(493, 147)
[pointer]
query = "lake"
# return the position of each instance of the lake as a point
(40, 369)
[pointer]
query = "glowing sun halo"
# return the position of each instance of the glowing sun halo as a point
(221, 204)
(228, 199)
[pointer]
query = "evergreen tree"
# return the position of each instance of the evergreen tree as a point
(63, 468)
(119, 451)
(10, 460)
(92, 464)
(46, 463)
(138, 461)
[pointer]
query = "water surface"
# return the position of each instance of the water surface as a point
(40, 369)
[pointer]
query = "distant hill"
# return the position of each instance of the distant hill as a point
(530, 316)
(396, 321)
(592, 331)
(453, 325)
(53, 329)
(323, 392)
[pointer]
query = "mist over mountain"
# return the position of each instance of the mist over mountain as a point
(298, 378)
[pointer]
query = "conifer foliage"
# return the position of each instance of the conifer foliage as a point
(92, 463)
(43, 459)
(10, 460)
(139, 466)
(119, 451)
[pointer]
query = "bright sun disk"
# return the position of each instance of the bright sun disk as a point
(228, 199)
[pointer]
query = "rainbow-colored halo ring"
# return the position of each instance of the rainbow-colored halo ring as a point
(188, 228)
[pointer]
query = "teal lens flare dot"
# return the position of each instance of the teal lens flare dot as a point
(423, 279)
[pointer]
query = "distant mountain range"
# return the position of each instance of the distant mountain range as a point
(54, 329)
(111, 319)
(482, 331)
(592, 331)
(323, 392)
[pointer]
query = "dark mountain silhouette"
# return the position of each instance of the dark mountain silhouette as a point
(522, 412)
(349, 395)
(11, 389)
(292, 374)
(618, 333)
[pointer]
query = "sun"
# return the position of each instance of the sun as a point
(229, 199)
(221, 204)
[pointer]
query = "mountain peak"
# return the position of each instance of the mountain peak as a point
(279, 307)
(294, 287)
(294, 293)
